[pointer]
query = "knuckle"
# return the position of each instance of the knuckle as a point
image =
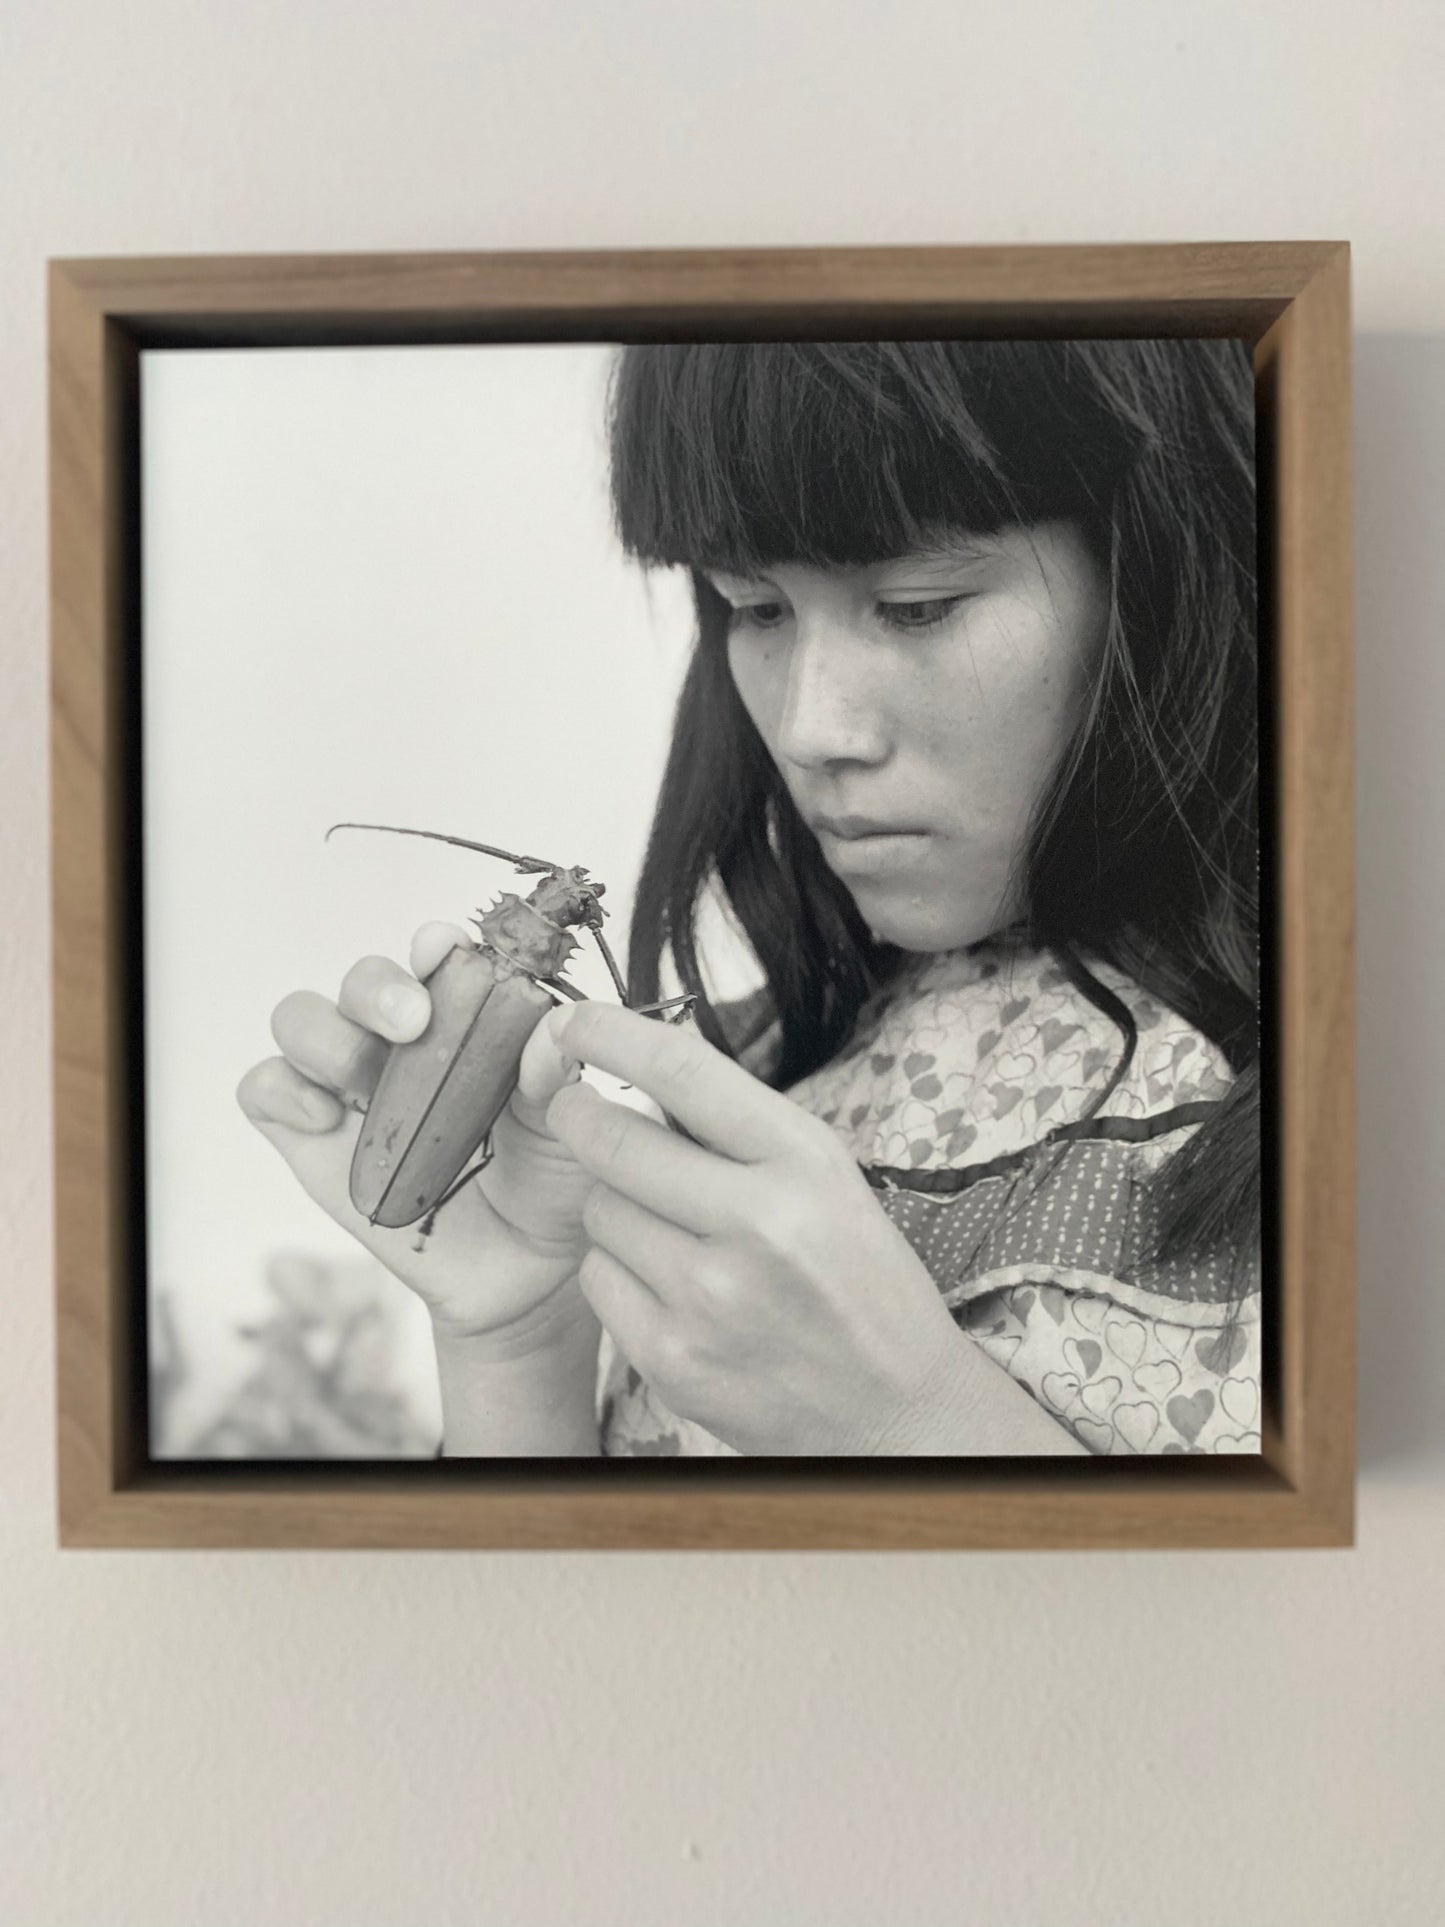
(325, 1046)
(716, 1279)
(672, 1358)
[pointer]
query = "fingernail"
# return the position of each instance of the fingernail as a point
(403, 1008)
(557, 1022)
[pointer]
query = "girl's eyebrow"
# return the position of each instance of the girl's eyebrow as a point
(947, 552)
(715, 576)
(950, 548)
(960, 548)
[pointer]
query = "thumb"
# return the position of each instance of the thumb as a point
(543, 1071)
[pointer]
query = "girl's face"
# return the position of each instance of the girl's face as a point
(917, 708)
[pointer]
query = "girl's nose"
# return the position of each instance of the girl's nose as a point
(830, 713)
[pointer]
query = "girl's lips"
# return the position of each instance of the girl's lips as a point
(850, 827)
(867, 855)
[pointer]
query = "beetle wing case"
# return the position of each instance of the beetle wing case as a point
(439, 1095)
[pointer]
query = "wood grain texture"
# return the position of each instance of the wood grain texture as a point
(959, 1511)
(1291, 299)
(1228, 288)
(86, 605)
(1304, 366)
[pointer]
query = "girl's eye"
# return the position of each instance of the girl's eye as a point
(758, 615)
(926, 614)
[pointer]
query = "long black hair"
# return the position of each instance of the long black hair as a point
(1144, 848)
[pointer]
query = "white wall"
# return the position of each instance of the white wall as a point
(370, 1740)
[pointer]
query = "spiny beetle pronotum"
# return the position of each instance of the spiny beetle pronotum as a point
(439, 1095)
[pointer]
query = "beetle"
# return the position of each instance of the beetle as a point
(439, 1095)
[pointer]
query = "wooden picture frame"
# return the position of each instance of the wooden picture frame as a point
(1292, 301)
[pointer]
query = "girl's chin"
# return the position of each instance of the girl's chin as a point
(913, 902)
(921, 927)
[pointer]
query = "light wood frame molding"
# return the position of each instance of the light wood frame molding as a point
(1291, 300)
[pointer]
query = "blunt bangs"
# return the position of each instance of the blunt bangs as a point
(1144, 851)
(738, 455)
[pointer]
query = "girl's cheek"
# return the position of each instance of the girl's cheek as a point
(1018, 678)
(756, 678)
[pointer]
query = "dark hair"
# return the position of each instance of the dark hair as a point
(1144, 849)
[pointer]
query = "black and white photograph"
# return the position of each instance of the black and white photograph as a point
(702, 899)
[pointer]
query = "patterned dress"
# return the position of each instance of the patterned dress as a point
(964, 1107)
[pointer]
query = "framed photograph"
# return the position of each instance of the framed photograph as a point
(703, 899)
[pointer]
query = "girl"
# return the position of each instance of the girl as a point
(967, 750)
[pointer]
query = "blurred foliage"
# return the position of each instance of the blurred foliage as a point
(323, 1382)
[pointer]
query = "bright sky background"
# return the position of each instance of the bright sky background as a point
(379, 584)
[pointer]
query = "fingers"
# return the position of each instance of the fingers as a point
(433, 942)
(623, 1303)
(316, 1136)
(313, 1131)
(542, 1072)
(382, 997)
(326, 1047)
(712, 1097)
(275, 1092)
(677, 1180)
(306, 1100)
(664, 1257)
(340, 1048)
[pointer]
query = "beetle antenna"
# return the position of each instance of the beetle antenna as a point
(528, 865)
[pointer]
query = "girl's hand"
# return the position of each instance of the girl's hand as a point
(504, 1252)
(751, 1277)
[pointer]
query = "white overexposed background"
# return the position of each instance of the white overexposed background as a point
(380, 585)
(306, 1739)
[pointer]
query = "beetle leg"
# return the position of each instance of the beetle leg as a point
(668, 1003)
(609, 960)
(428, 1223)
(561, 983)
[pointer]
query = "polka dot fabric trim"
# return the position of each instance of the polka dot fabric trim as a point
(1076, 1207)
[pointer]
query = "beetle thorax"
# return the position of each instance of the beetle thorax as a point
(525, 935)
